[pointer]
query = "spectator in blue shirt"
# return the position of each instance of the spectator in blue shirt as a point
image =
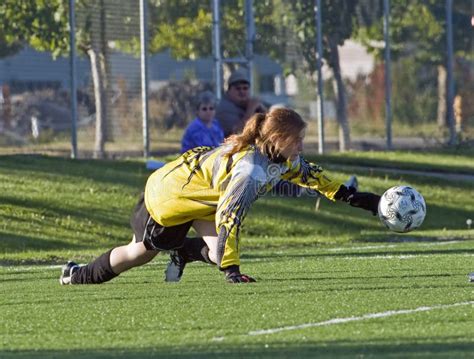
(204, 130)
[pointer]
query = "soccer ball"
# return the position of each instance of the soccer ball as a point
(402, 209)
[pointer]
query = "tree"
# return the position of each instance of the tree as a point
(461, 19)
(338, 21)
(418, 30)
(185, 27)
(44, 26)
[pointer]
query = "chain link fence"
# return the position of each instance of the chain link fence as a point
(278, 43)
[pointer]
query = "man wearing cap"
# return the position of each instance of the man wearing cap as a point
(236, 106)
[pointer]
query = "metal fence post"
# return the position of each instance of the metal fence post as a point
(388, 74)
(144, 76)
(73, 77)
(250, 37)
(217, 47)
(319, 65)
(449, 70)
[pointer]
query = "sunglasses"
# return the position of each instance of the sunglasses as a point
(206, 108)
(242, 88)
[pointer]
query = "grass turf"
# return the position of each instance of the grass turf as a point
(311, 267)
(457, 161)
(138, 315)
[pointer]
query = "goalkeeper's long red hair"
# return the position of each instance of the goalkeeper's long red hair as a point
(268, 132)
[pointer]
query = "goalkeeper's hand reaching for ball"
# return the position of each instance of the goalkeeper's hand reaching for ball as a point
(365, 200)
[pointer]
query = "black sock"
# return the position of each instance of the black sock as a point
(96, 272)
(195, 249)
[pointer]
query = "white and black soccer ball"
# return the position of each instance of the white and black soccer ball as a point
(402, 209)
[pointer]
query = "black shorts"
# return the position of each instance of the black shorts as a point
(153, 234)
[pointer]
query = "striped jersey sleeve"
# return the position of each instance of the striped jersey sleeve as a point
(310, 175)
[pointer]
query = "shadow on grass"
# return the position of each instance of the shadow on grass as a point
(19, 243)
(331, 349)
(105, 217)
(106, 171)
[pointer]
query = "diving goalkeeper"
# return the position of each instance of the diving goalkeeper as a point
(212, 189)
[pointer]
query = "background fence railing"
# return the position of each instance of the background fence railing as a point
(137, 67)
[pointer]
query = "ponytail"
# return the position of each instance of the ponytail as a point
(249, 135)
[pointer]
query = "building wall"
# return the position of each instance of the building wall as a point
(30, 67)
(34, 69)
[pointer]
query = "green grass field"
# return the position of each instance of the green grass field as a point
(331, 283)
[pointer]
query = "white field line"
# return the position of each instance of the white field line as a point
(354, 319)
(442, 243)
(341, 249)
(30, 268)
(401, 256)
(361, 248)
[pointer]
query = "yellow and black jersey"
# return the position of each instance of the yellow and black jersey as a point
(205, 183)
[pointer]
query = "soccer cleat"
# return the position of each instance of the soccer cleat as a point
(175, 267)
(67, 271)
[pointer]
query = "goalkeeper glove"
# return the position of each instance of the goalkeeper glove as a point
(365, 200)
(233, 275)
